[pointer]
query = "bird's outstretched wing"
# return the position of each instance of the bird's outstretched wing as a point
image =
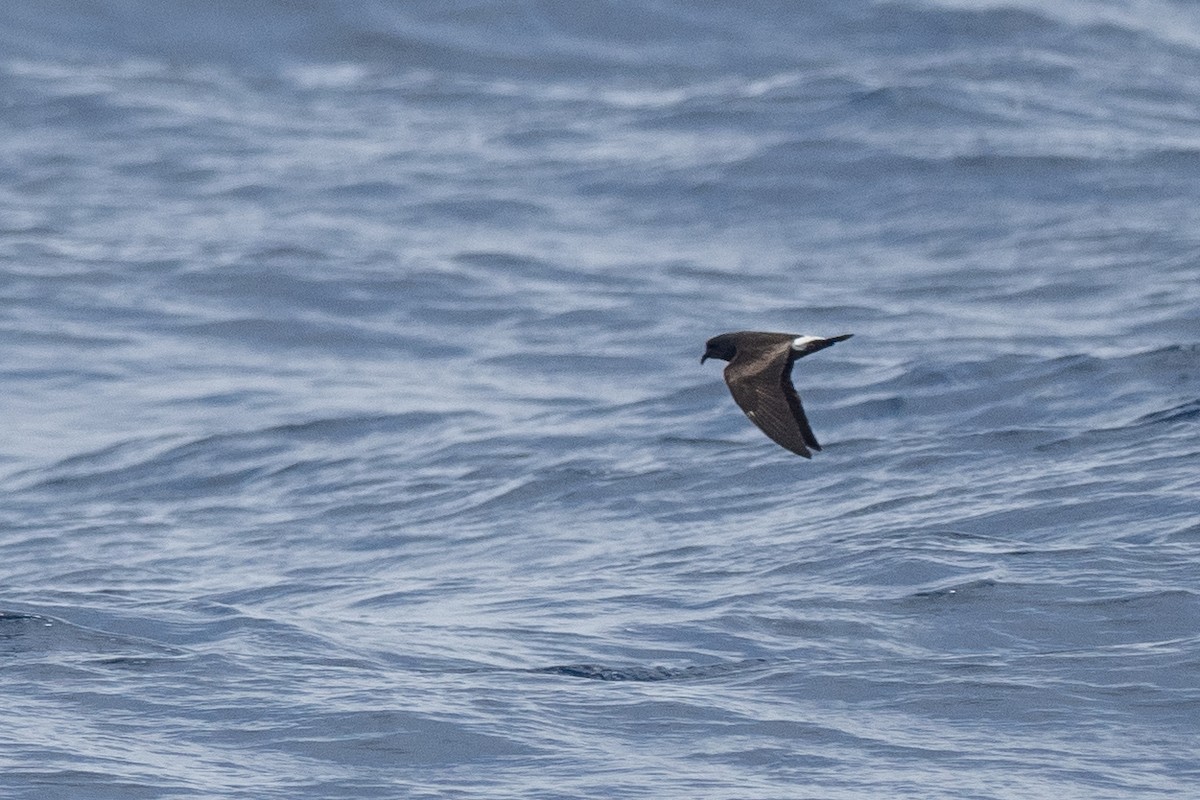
(763, 389)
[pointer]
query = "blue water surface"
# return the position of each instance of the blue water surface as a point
(357, 445)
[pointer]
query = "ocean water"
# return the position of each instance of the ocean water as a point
(356, 443)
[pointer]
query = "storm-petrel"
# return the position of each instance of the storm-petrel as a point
(759, 375)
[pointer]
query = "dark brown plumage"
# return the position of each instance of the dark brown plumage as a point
(759, 375)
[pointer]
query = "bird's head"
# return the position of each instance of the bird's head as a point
(721, 347)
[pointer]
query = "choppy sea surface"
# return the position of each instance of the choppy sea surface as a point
(356, 444)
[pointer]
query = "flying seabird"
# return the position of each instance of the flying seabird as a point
(759, 375)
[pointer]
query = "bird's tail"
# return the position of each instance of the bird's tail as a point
(812, 345)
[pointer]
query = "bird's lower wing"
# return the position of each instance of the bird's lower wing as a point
(793, 399)
(772, 411)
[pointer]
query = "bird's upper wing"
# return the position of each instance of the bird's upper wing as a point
(763, 388)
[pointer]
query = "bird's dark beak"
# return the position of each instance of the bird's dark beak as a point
(704, 357)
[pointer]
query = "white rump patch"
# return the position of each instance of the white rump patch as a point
(800, 342)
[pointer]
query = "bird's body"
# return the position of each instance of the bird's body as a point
(759, 378)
